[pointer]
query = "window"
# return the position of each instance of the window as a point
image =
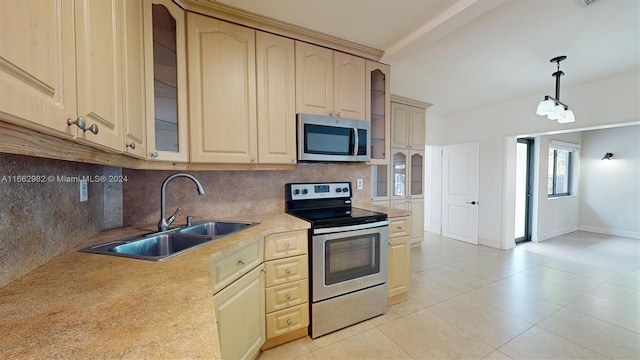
(560, 168)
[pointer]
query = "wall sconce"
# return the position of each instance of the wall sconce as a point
(607, 156)
(553, 108)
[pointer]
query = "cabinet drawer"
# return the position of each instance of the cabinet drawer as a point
(227, 267)
(280, 245)
(399, 227)
(287, 320)
(287, 270)
(287, 295)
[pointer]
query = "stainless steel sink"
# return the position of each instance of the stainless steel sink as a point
(166, 244)
(216, 228)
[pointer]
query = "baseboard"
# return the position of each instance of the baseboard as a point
(614, 232)
(555, 233)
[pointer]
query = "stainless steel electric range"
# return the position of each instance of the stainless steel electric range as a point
(348, 255)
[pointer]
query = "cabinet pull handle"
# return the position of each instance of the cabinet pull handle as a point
(288, 296)
(79, 122)
(132, 145)
(330, 113)
(289, 322)
(242, 261)
(154, 154)
(338, 114)
(288, 271)
(93, 128)
(286, 244)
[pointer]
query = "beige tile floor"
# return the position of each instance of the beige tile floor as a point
(573, 297)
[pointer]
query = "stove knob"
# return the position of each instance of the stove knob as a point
(338, 190)
(345, 189)
(296, 192)
(304, 191)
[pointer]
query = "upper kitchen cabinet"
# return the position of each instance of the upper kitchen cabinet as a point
(408, 126)
(222, 91)
(69, 80)
(99, 71)
(378, 109)
(329, 82)
(134, 121)
(38, 65)
(166, 81)
(275, 71)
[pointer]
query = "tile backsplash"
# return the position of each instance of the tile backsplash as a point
(41, 215)
(43, 219)
(229, 193)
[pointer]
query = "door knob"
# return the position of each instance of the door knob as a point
(472, 202)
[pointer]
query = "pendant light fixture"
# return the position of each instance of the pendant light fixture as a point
(551, 107)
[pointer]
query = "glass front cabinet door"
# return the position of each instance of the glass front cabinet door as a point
(399, 174)
(378, 110)
(416, 173)
(165, 60)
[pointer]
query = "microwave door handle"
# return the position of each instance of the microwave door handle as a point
(355, 136)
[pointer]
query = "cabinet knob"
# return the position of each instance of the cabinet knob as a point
(264, 270)
(93, 128)
(288, 296)
(338, 114)
(330, 113)
(288, 271)
(154, 154)
(132, 145)
(242, 261)
(289, 322)
(253, 159)
(79, 122)
(286, 244)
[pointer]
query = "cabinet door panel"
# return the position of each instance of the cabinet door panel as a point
(349, 86)
(134, 121)
(417, 127)
(400, 125)
(417, 221)
(399, 266)
(37, 64)
(241, 316)
(314, 79)
(275, 60)
(222, 91)
(98, 42)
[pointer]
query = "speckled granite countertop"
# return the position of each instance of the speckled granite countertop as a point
(88, 306)
(391, 212)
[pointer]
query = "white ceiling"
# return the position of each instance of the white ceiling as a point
(466, 54)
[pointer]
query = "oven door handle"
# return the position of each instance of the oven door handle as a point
(350, 227)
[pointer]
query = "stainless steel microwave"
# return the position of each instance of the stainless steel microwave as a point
(327, 139)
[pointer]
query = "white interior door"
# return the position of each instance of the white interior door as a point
(460, 192)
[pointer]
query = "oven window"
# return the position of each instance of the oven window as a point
(328, 140)
(351, 258)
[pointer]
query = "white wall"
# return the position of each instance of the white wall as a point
(556, 216)
(610, 101)
(610, 189)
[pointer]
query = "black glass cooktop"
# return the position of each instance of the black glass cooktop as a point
(341, 216)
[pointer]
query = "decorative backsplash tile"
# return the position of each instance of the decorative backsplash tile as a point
(41, 215)
(229, 193)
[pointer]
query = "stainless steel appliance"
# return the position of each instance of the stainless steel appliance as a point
(348, 255)
(325, 138)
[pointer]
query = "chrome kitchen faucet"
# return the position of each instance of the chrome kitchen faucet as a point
(164, 223)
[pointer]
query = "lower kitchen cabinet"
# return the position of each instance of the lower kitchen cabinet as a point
(399, 259)
(240, 315)
(287, 287)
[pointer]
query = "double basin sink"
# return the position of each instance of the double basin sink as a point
(166, 244)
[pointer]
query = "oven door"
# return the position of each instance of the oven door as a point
(348, 258)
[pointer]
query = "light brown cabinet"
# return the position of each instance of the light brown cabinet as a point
(329, 82)
(233, 112)
(400, 182)
(287, 286)
(166, 81)
(408, 126)
(240, 316)
(378, 110)
(75, 89)
(399, 259)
